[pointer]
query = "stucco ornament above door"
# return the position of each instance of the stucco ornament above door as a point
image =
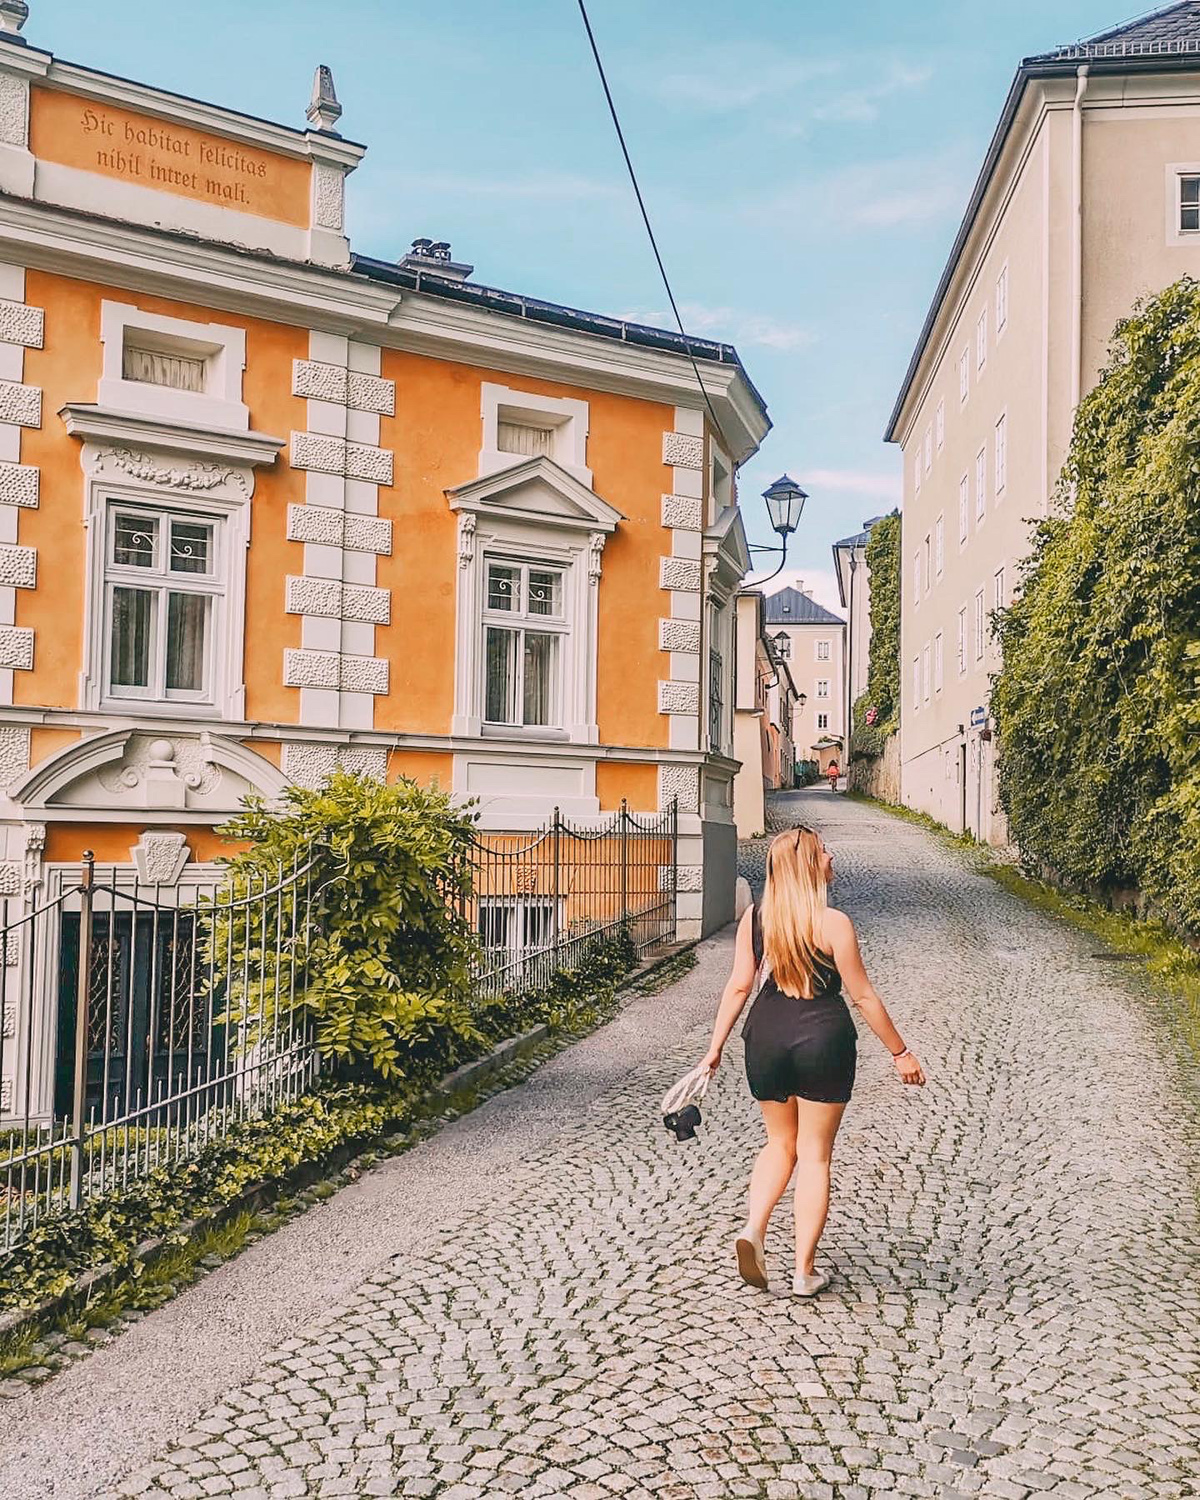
(125, 772)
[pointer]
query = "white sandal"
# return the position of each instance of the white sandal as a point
(751, 1260)
(808, 1284)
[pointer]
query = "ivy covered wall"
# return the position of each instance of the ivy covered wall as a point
(1098, 700)
(882, 695)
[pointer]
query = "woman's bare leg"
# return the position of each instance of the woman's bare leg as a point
(773, 1168)
(816, 1127)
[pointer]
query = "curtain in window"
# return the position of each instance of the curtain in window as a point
(539, 678)
(516, 437)
(501, 686)
(133, 613)
(180, 372)
(187, 632)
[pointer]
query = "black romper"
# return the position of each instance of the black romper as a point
(800, 1048)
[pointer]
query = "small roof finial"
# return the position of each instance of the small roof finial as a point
(13, 15)
(323, 111)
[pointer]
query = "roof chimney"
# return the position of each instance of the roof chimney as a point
(432, 258)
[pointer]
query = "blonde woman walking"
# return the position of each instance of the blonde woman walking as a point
(801, 1045)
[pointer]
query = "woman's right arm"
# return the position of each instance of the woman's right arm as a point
(843, 941)
(737, 991)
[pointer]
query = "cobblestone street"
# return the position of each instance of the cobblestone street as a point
(543, 1301)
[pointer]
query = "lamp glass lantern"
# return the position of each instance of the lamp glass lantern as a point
(785, 503)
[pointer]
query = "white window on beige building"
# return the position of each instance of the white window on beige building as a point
(1001, 454)
(822, 721)
(981, 340)
(925, 549)
(964, 486)
(940, 425)
(999, 601)
(916, 684)
(939, 545)
(962, 641)
(916, 579)
(925, 672)
(980, 625)
(822, 687)
(937, 662)
(964, 376)
(980, 484)
(822, 650)
(917, 473)
(928, 448)
(1002, 300)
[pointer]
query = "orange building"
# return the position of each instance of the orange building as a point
(269, 507)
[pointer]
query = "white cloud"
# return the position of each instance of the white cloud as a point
(885, 193)
(860, 106)
(745, 329)
(856, 482)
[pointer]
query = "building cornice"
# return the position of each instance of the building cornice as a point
(99, 424)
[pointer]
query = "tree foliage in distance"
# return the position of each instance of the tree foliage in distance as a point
(883, 662)
(1098, 700)
(383, 966)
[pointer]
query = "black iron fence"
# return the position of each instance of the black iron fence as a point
(138, 1022)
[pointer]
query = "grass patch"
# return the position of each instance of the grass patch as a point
(1164, 957)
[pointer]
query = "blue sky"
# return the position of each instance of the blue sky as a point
(806, 166)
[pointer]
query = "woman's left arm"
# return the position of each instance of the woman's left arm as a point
(843, 941)
(737, 991)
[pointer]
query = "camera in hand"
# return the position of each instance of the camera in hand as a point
(683, 1122)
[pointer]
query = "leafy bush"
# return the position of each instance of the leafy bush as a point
(881, 701)
(1098, 700)
(383, 968)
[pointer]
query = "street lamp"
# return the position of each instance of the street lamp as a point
(785, 504)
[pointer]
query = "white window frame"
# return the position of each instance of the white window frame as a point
(226, 505)
(939, 545)
(522, 622)
(980, 624)
(981, 486)
(928, 447)
(917, 472)
(1001, 301)
(961, 641)
(937, 662)
(517, 910)
(220, 345)
(1001, 462)
(916, 684)
(917, 579)
(981, 340)
(999, 588)
(823, 721)
(926, 675)
(1176, 171)
(823, 687)
(964, 508)
(927, 560)
(940, 423)
(822, 652)
(964, 376)
(567, 417)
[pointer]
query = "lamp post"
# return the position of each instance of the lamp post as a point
(785, 505)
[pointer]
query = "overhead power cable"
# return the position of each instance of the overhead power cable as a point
(641, 203)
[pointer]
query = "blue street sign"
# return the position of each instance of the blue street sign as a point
(978, 718)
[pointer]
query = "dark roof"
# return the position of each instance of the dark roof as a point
(1169, 28)
(533, 310)
(790, 607)
(1167, 39)
(861, 539)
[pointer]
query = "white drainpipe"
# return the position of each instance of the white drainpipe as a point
(1081, 83)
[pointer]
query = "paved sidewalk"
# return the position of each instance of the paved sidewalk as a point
(541, 1301)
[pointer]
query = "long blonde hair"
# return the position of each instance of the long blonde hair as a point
(793, 905)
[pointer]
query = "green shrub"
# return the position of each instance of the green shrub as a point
(1098, 700)
(883, 665)
(382, 969)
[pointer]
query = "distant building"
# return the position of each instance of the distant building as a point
(811, 640)
(764, 711)
(1088, 199)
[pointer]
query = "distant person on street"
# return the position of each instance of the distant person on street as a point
(833, 773)
(801, 1044)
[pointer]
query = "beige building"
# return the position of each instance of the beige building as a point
(764, 710)
(1088, 199)
(811, 640)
